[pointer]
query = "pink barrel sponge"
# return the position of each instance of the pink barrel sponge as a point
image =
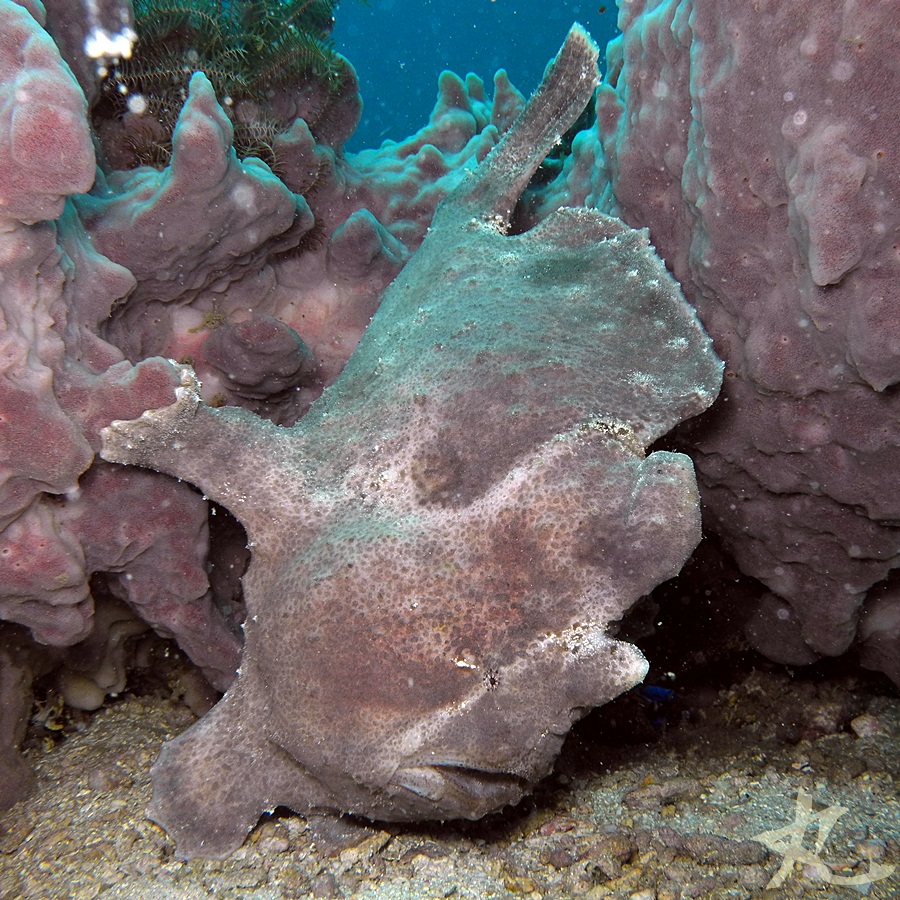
(758, 142)
(62, 521)
(45, 144)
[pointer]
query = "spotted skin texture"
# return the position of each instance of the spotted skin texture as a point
(440, 544)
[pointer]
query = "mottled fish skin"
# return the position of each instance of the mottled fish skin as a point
(441, 543)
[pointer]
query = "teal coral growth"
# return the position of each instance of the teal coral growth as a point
(249, 50)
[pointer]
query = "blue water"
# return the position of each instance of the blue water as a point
(399, 47)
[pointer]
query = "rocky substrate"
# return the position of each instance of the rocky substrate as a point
(665, 797)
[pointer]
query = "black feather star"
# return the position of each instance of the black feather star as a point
(249, 50)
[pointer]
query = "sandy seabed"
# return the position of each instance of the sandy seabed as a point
(775, 787)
